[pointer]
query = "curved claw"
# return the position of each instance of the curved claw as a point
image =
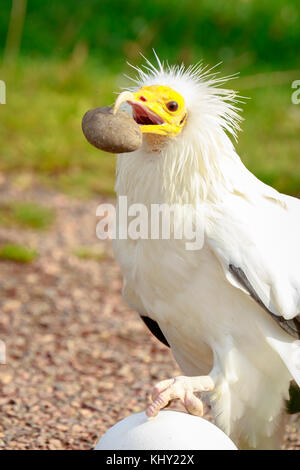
(182, 388)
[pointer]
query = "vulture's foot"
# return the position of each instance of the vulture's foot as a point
(183, 388)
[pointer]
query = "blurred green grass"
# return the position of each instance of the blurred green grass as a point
(26, 215)
(253, 33)
(41, 127)
(270, 142)
(69, 57)
(41, 130)
(17, 253)
(94, 253)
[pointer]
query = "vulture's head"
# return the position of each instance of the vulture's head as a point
(186, 117)
(176, 102)
(158, 109)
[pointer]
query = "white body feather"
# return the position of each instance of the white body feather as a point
(210, 321)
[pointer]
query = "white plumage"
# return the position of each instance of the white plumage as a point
(199, 298)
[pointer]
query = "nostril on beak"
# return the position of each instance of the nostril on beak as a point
(142, 98)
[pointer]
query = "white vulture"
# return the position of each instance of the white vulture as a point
(230, 310)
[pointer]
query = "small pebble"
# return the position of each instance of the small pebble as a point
(114, 133)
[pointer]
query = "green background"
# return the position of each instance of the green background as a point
(71, 56)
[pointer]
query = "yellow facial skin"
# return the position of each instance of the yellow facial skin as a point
(161, 101)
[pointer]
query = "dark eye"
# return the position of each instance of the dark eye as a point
(172, 106)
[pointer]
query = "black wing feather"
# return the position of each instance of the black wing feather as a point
(155, 329)
(290, 326)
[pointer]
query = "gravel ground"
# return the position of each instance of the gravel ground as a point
(78, 359)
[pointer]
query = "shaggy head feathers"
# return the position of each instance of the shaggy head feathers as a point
(197, 163)
(200, 88)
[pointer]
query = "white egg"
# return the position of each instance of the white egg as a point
(169, 430)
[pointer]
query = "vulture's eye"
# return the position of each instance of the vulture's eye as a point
(172, 106)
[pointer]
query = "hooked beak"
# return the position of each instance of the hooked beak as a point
(147, 118)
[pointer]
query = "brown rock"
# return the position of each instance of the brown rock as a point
(114, 133)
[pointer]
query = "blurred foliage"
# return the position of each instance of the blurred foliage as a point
(41, 128)
(94, 253)
(250, 32)
(269, 144)
(17, 253)
(73, 55)
(26, 214)
(293, 405)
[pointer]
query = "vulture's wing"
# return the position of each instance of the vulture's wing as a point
(257, 242)
(291, 326)
(134, 301)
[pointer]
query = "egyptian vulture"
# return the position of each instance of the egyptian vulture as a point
(230, 310)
